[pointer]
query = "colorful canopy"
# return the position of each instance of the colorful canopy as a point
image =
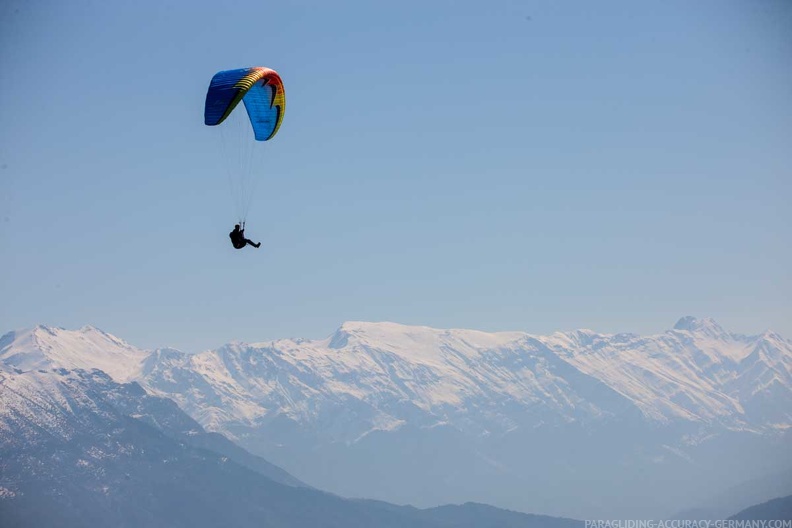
(261, 89)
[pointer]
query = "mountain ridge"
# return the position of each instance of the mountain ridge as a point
(376, 399)
(706, 371)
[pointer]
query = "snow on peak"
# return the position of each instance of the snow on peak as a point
(706, 325)
(711, 339)
(773, 337)
(87, 348)
(415, 343)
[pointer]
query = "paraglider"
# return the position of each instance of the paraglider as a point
(238, 239)
(261, 91)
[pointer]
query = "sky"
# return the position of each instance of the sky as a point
(533, 166)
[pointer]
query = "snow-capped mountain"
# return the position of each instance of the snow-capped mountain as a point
(59, 405)
(43, 347)
(491, 408)
(695, 372)
(392, 374)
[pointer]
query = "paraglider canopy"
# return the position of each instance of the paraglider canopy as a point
(261, 89)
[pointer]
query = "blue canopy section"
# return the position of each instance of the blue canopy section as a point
(222, 96)
(263, 116)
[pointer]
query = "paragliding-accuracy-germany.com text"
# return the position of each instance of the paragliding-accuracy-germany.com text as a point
(678, 523)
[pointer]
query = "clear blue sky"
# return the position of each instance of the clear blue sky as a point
(531, 166)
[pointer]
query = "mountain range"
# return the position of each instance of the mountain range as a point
(575, 424)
